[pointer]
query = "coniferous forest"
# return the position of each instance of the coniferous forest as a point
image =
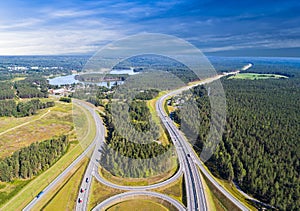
(22, 109)
(139, 156)
(30, 161)
(259, 150)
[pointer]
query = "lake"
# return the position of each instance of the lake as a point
(70, 79)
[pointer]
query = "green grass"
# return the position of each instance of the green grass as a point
(137, 205)
(255, 76)
(8, 190)
(24, 196)
(173, 189)
(16, 133)
(231, 189)
(100, 192)
(137, 181)
(151, 105)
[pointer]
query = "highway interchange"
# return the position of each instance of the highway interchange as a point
(188, 161)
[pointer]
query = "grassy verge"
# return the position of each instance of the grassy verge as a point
(222, 200)
(151, 105)
(210, 197)
(99, 193)
(173, 190)
(27, 193)
(64, 196)
(136, 181)
(9, 189)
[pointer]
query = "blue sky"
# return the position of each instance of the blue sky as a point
(234, 28)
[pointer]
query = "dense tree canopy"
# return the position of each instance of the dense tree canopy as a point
(30, 161)
(21, 109)
(260, 147)
(137, 155)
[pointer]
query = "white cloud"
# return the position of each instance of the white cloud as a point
(54, 41)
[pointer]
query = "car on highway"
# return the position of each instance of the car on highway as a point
(81, 190)
(40, 193)
(87, 180)
(79, 200)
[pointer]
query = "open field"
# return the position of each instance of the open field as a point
(255, 76)
(17, 133)
(136, 181)
(18, 79)
(137, 205)
(64, 196)
(24, 196)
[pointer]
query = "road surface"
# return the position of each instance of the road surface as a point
(130, 195)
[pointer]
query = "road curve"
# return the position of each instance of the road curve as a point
(84, 191)
(130, 195)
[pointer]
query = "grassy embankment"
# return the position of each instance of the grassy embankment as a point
(86, 135)
(137, 181)
(151, 105)
(101, 192)
(141, 203)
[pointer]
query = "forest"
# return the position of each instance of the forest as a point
(32, 160)
(138, 154)
(22, 109)
(260, 147)
(32, 88)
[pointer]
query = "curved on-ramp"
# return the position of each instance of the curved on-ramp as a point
(171, 179)
(130, 195)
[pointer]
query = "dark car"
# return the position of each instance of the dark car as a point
(81, 190)
(79, 200)
(40, 193)
(87, 179)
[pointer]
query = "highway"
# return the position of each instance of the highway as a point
(59, 178)
(83, 195)
(192, 159)
(188, 161)
(130, 195)
(131, 188)
(194, 189)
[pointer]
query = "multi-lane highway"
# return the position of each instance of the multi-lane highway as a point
(84, 191)
(188, 161)
(194, 189)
